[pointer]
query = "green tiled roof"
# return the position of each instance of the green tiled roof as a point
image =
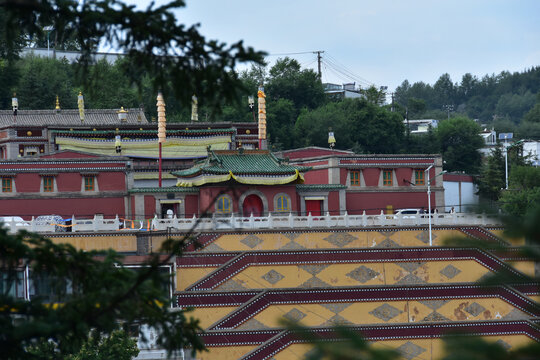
(248, 162)
(143, 132)
(321, 187)
(173, 189)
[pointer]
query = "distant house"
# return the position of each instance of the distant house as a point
(490, 141)
(421, 126)
(532, 149)
(460, 192)
(344, 91)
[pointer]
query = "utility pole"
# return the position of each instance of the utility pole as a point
(319, 57)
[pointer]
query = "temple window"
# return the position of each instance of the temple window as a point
(282, 203)
(387, 177)
(419, 177)
(224, 204)
(7, 184)
(89, 183)
(355, 177)
(48, 183)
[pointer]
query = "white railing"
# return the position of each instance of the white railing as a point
(289, 221)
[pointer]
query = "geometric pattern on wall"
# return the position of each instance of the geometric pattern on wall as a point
(340, 239)
(336, 308)
(450, 271)
(363, 274)
(410, 275)
(272, 277)
(387, 244)
(314, 282)
(294, 315)
(212, 248)
(292, 245)
(410, 266)
(474, 309)
(410, 350)
(313, 269)
(251, 241)
(515, 314)
(434, 317)
(504, 344)
(231, 285)
(252, 324)
(385, 312)
(292, 235)
(336, 320)
(423, 236)
(434, 305)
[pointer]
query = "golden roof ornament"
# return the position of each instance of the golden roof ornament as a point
(57, 103)
(122, 114)
(80, 103)
(194, 109)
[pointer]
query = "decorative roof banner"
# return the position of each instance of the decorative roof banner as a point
(243, 179)
(174, 148)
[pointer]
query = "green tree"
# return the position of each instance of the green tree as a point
(42, 80)
(374, 95)
(460, 141)
(281, 120)
(530, 126)
(93, 295)
(286, 80)
(514, 106)
(416, 107)
(153, 41)
(523, 194)
(444, 92)
(492, 177)
(119, 345)
(356, 123)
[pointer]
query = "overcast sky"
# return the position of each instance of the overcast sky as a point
(381, 42)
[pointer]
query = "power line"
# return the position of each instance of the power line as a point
(295, 53)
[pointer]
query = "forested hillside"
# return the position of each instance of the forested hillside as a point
(506, 101)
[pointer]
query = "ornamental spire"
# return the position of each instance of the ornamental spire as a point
(262, 116)
(161, 118)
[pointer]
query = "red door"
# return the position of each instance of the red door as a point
(253, 205)
(314, 206)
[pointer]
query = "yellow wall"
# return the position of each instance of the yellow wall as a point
(429, 349)
(120, 243)
(334, 275)
(394, 312)
(225, 352)
(330, 240)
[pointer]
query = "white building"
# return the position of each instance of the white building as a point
(459, 192)
(420, 126)
(532, 148)
(345, 91)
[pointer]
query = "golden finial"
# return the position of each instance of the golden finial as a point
(57, 103)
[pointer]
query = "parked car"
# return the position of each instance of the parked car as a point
(19, 221)
(409, 213)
